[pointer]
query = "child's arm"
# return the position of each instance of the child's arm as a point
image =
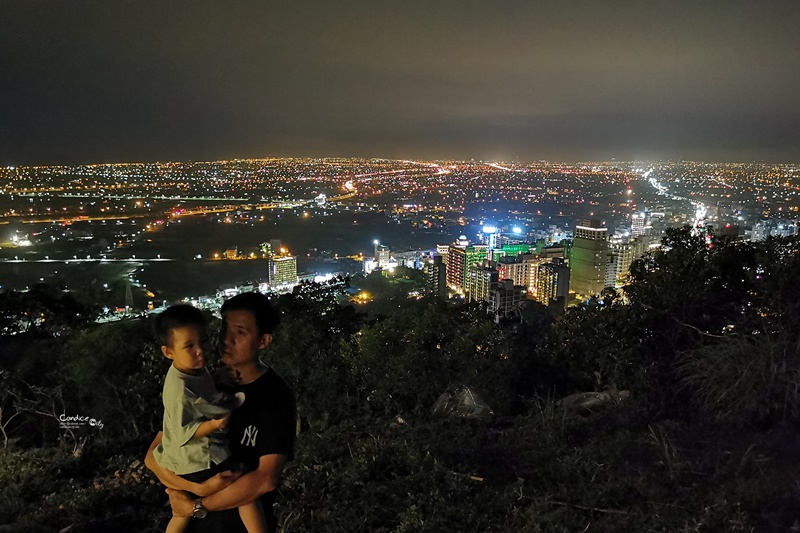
(209, 426)
(174, 481)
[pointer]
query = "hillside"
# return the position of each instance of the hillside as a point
(698, 358)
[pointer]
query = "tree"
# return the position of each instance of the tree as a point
(310, 350)
(116, 373)
(9, 403)
(43, 311)
(404, 362)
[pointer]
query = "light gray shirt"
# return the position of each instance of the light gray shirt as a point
(188, 401)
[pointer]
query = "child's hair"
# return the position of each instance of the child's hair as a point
(177, 316)
(267, 316)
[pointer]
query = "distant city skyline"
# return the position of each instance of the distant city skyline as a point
(169, 221)
(87, 81)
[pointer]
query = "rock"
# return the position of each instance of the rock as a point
(462, 402)
(592, 400)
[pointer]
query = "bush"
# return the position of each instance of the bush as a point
(745, 379)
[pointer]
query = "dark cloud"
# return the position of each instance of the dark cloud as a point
(144, 80)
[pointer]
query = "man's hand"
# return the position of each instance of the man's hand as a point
(217, 483)
(182, 504)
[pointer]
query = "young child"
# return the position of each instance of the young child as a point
(194, 444)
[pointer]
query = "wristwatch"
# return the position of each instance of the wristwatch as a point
(198, 510)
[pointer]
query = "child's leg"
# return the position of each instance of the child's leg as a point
(178, 524)
(252, 516)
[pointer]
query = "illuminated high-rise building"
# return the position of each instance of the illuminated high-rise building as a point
(552, 252)
(638, 223)
(442, 250)
(436, 279)
(460, 257)
(626, 251)
(518, 268)
(514, 269)
(479, 281)
(457, 265)
(282, 270)
(490, 233)
(588, 258)
(612, 264)
(383, 256)
(553, 283)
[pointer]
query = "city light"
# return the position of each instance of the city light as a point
(116, 205)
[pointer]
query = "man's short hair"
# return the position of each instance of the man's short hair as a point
(177, 316)
(267, 316)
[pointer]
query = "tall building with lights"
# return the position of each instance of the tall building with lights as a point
(514, 269)
(625, 252)
(638, 223)
(479, 281)
(490, 233)
(436, 279)
(460, 257)
(545, 255)
(519, 269)
(588, 258)
(612, 264)
(553, 283)
(456, 264)
(553, 252)
(282, 270)
(383, 255)
(443, 250)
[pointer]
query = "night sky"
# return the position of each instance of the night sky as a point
(116, 81)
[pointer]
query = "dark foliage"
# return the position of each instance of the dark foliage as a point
(705, 339)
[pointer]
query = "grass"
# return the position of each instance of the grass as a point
(744, 378)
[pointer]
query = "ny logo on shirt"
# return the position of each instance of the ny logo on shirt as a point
(249, 437)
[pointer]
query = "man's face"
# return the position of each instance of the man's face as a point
(186, 349)
(241, 340)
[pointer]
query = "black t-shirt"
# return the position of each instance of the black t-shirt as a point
(265, 424)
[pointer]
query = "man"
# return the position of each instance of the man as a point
(261, 431)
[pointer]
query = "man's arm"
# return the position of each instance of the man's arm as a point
(174, 481)
(244, 490)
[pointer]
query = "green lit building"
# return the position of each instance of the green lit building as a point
(511, 250)
(459, 260)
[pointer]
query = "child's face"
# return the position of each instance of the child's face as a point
(186, 349)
